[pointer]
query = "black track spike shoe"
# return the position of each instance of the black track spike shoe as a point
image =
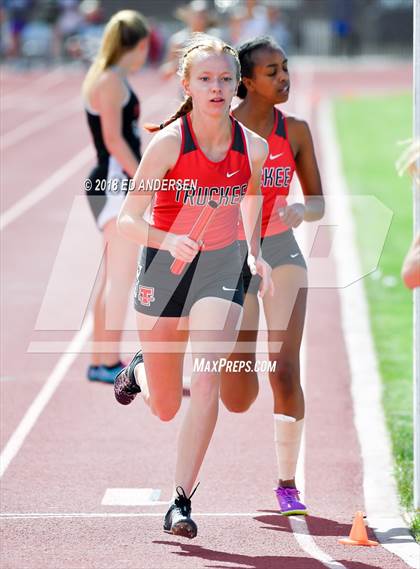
(125, 385)
(178, 518)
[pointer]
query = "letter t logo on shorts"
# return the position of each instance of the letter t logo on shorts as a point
(146, 295)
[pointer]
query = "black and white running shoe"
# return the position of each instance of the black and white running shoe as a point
(178, 518)
(125, 385)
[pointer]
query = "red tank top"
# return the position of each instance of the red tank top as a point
(195, 180)
(277, 174)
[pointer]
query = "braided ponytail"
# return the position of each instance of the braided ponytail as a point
(184, 109)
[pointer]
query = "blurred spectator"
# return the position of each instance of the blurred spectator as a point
(197, 17)
(156, 43)
(236, 18)
(247, 20)
(343, 25)
(92, 29)
(5, 36)
(18, 14)
(68, 25)
(276, 27)
(47, 12)
(92, 12)
(78, 30)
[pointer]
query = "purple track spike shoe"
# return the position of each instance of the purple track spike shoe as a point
(289, 503)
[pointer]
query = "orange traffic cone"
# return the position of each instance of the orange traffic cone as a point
(358, 535)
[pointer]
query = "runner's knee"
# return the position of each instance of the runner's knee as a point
(204, 388)
(238, 391)
(286, 378)
(165, 410)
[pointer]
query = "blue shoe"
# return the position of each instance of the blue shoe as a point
(106, 374)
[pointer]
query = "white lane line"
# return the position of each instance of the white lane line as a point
(40, 122)
(45, 81)
(381, 501)
(31, 416)
(307, 543)
(132, 497)
(36, 515)
(298, 524)
(46, 187)
(30, 101)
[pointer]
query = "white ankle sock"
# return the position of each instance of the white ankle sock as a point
(287, 438)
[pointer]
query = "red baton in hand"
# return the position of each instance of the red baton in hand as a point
(196, 233)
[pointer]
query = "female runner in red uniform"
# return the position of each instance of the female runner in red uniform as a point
(200, 154)
(265, 83)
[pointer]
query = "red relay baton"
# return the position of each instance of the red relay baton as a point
(196, 233)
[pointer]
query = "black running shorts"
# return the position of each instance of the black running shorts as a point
(211, 274)
(277, 250)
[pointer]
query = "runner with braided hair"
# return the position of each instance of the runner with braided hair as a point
(200, 155)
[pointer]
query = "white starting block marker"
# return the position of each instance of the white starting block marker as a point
(132, 497)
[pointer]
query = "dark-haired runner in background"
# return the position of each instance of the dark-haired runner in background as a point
(265, 83)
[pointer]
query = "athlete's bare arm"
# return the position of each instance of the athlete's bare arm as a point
(107, 98)
(160, 156)
(251, 205)
(251, 211)
(411, 267)
(307, 169)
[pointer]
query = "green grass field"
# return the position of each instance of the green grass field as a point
(369, 129)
